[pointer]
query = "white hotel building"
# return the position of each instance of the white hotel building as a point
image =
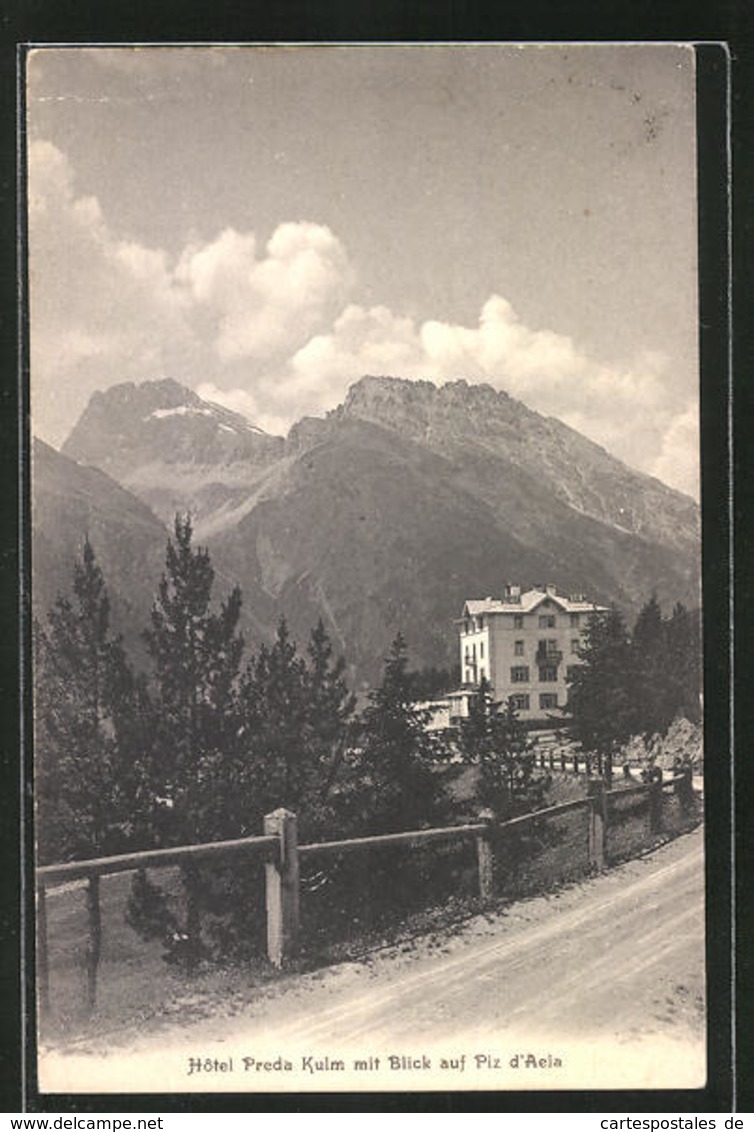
(525, 644)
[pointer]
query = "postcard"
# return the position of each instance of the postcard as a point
(366, 567)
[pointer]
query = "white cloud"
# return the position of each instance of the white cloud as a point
(628, 409)
(50, 177)
(270, 305)
(102, 309)
(268, 331)
(678, 463)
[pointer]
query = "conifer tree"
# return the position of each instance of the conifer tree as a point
(398, 788)
(274, 697)
(85, 694)
(297, 720)
(330, 708)
(601, 710)
(684, 662)
(497, 743)
(653, 701)
(476, 730)
(665, 668)
(196, 654)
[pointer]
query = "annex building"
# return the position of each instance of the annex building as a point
(525, 644)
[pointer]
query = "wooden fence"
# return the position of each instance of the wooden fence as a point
(572, 759)
(278, 848)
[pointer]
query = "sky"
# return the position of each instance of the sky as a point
(268, 224)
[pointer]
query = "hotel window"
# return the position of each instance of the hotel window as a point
(548, 674)
(548, 699)
(571, 671)
(481, 672)
(574, 620)
(520, 702)
(518, 648)
(520, 674)
(481, 650)
(575, 645)
(518, 620)
(547, 621)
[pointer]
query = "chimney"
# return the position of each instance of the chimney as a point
(551, 589)
(511, 592)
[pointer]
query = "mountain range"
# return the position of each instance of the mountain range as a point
(385, 515)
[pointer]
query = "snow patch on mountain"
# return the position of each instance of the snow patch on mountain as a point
(180, 411)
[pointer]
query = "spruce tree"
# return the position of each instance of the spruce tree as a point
(274, 697)
(497, 743)
(85, 696)
(654, 701)
(196, 654)
(297, 722)
(330, 709)
(397, 785)
(601, 710)
(476, 729)
(684, 656)
(665, 677)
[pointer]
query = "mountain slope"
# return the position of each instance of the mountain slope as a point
(481, 423)
(69, 503)
(399, 505)
(379, 535)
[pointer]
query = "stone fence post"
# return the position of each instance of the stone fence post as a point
(282, 888)
(595, 789)
(485, 858)
(685, 788)
(655, 804)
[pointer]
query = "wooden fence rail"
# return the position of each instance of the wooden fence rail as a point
(409, 837)
(267, 847)
(279, 850)
(158, 858)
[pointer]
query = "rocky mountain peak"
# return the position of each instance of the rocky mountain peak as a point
(418, 408)
(129, 426)
(468, 422)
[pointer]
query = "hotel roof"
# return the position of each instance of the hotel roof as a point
(529, 601)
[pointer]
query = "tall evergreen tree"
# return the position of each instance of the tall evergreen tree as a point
(330, 709)
(477, 728)
(654, 703)
(297, 721)
(85, 707)
(289, 746)
(397, 786)
(683, 664)
(196, 654)
(601, 711)
(497, 743)
(274, 696)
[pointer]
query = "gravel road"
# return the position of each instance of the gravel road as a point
(598, 985)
